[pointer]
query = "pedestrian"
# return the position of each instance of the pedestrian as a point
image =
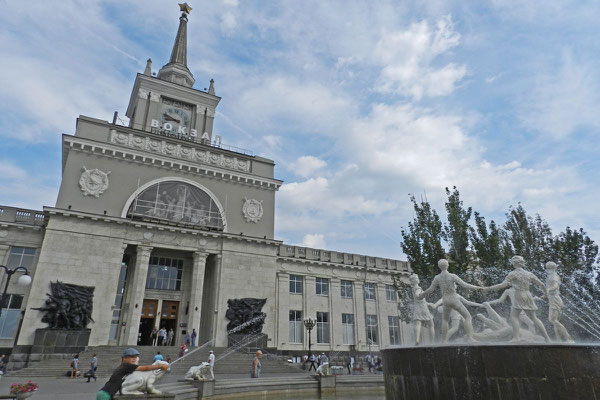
(194, 334)
(349, 363)
(154, 336)
(169, 359)
(129, 363)
(211, 363)
(312, 360)
(323, 359)
(182, 350)
(163, 336)
(93, 366)
(170, 336)
(256, 366)
(3, 363)
(74, 366)
(369, 361)
(188, 340)
(378, 366)
(158, 357)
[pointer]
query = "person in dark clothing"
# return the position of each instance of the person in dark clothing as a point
(129, 363)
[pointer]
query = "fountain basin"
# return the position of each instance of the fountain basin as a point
(505, 371)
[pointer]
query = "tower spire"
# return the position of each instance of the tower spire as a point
(176, 70)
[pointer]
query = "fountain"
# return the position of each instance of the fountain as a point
(503, 360)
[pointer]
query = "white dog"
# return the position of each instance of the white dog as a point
(199, 372)
(140, 382)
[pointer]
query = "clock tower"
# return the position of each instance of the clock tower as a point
(167, 103)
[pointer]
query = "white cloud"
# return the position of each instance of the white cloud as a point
(8, 170)
(315, 240)
(228, 23)
(407, 60)
(306, 166)
(563, 100)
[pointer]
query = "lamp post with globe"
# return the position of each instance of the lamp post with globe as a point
(24, 280)
(309, 323)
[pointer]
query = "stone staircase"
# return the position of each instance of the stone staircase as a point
(235, 364)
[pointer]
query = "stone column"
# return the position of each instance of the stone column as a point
(218, 326)
(335, 313)
(283, 308)
(136, 295)
(198, 269)
(360, 334)
(382, 320)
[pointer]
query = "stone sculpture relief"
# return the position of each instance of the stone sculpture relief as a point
(252, 210)
(183, 152)
(93, 182)
(245, 316)
(69, 306)
(141, 382)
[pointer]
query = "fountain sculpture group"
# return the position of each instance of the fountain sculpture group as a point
(496, 328)
(502, 360)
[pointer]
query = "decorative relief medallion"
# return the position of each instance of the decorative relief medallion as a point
(309, 268)
(202, 242)
(252, 210)
(358, 274)
(3, 233)
(177, 150)
(93, 182)
(148, 235)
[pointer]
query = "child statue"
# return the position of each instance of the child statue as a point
(451, 300)
(521, 299)
(421, 314)
(555, 303)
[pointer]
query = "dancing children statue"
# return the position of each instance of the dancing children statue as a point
(451, 301)
(455, 318)
(421, 314)
(555, 303)
(521, 299)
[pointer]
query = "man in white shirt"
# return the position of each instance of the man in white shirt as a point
(211, 362)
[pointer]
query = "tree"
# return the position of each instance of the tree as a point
(456, 232)
(529, 237)
(422, 241)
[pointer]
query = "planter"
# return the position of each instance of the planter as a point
(24, 395)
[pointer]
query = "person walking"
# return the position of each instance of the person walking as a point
(163, 336)
(312, 360)
(170, 337)
(129, 363)
(256, 366)
(154, 336)
(93, 366)
(194, 335)
(348, 363)
(369, 361)
(188, 340)
(211, 363)
(74, 366)
(158, 357)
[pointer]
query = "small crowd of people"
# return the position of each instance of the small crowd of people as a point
(91, 373)
(160, 337)
(373, 363)
(315, 360)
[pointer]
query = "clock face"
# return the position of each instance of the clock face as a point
(175, 118)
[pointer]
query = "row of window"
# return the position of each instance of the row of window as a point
(322, 288)
(322, 328)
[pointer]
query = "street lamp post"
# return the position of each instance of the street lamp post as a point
(309, 324)
(24, 280)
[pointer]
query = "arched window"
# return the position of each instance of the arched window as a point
(177, 202)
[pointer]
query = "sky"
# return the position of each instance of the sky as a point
(359, 103)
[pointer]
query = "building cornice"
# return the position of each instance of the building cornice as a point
(127, 154)
(359, 268)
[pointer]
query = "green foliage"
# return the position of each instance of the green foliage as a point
(456, 232)
(422, 241)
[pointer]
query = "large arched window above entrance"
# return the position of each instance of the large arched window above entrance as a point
(176, 202)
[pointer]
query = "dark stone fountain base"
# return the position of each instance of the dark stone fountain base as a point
(503, 372)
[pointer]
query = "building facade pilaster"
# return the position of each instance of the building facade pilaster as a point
(136, 297)
(195, 308)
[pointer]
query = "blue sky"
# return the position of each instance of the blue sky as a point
(358, 102)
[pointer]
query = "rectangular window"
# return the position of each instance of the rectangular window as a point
(394, 323)
(346, 289)
(322, 286)
(9, 320)
(21, 257)
(348, 328)
(390, 293)
(164, 273)
(372, 329)
(296, 284)
(322, 327)
(370, 291)
(295, 326)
